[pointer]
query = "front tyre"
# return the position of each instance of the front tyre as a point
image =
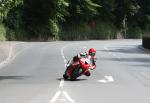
(76, 73)
(65, 76)
(73, 78)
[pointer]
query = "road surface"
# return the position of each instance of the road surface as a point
(34, 75)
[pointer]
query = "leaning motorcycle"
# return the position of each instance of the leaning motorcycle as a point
(76, 69)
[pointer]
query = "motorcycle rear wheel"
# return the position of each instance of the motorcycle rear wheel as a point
(65, 76)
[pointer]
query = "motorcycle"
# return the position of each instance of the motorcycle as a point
(76, 69)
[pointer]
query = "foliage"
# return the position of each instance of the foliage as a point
(134, 32)
(2, 32)
(42, 16)
(54, 29)
(84, 31)
(82, 10)
(73, 19)
(6, 5)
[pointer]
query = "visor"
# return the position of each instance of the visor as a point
(92, 54)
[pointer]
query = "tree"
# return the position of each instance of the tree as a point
(43, 15)
(125, 14)
(6, 5)
(144, 13)
(83, 10)
(105, 12)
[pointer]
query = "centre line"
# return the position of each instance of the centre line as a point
(55, 97)
(68, 97)
(61, 83)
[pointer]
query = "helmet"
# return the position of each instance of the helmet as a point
(92, 51)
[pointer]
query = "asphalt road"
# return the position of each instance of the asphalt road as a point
(34, 75)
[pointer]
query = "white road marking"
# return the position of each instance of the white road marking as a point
(102, 81)
(105, 47)
(62, 54)
(61, 100)
(55, 97)
(145, 75)
(8, 58)
(10, 53)
(6, 61)
(68, 97)
(17, 54)
(107, 79)
(61, 83)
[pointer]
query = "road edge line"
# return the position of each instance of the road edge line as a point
(6, 61)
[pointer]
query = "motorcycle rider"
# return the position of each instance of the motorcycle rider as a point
(91, 56)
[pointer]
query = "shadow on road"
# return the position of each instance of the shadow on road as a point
(13, 77)
(79, 79)
(141, 65)
(126, 49)
(144, 60)
(140, 62)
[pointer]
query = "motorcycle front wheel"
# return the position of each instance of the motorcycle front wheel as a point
(76, 73)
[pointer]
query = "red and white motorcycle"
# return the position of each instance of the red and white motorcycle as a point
(77, 68)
